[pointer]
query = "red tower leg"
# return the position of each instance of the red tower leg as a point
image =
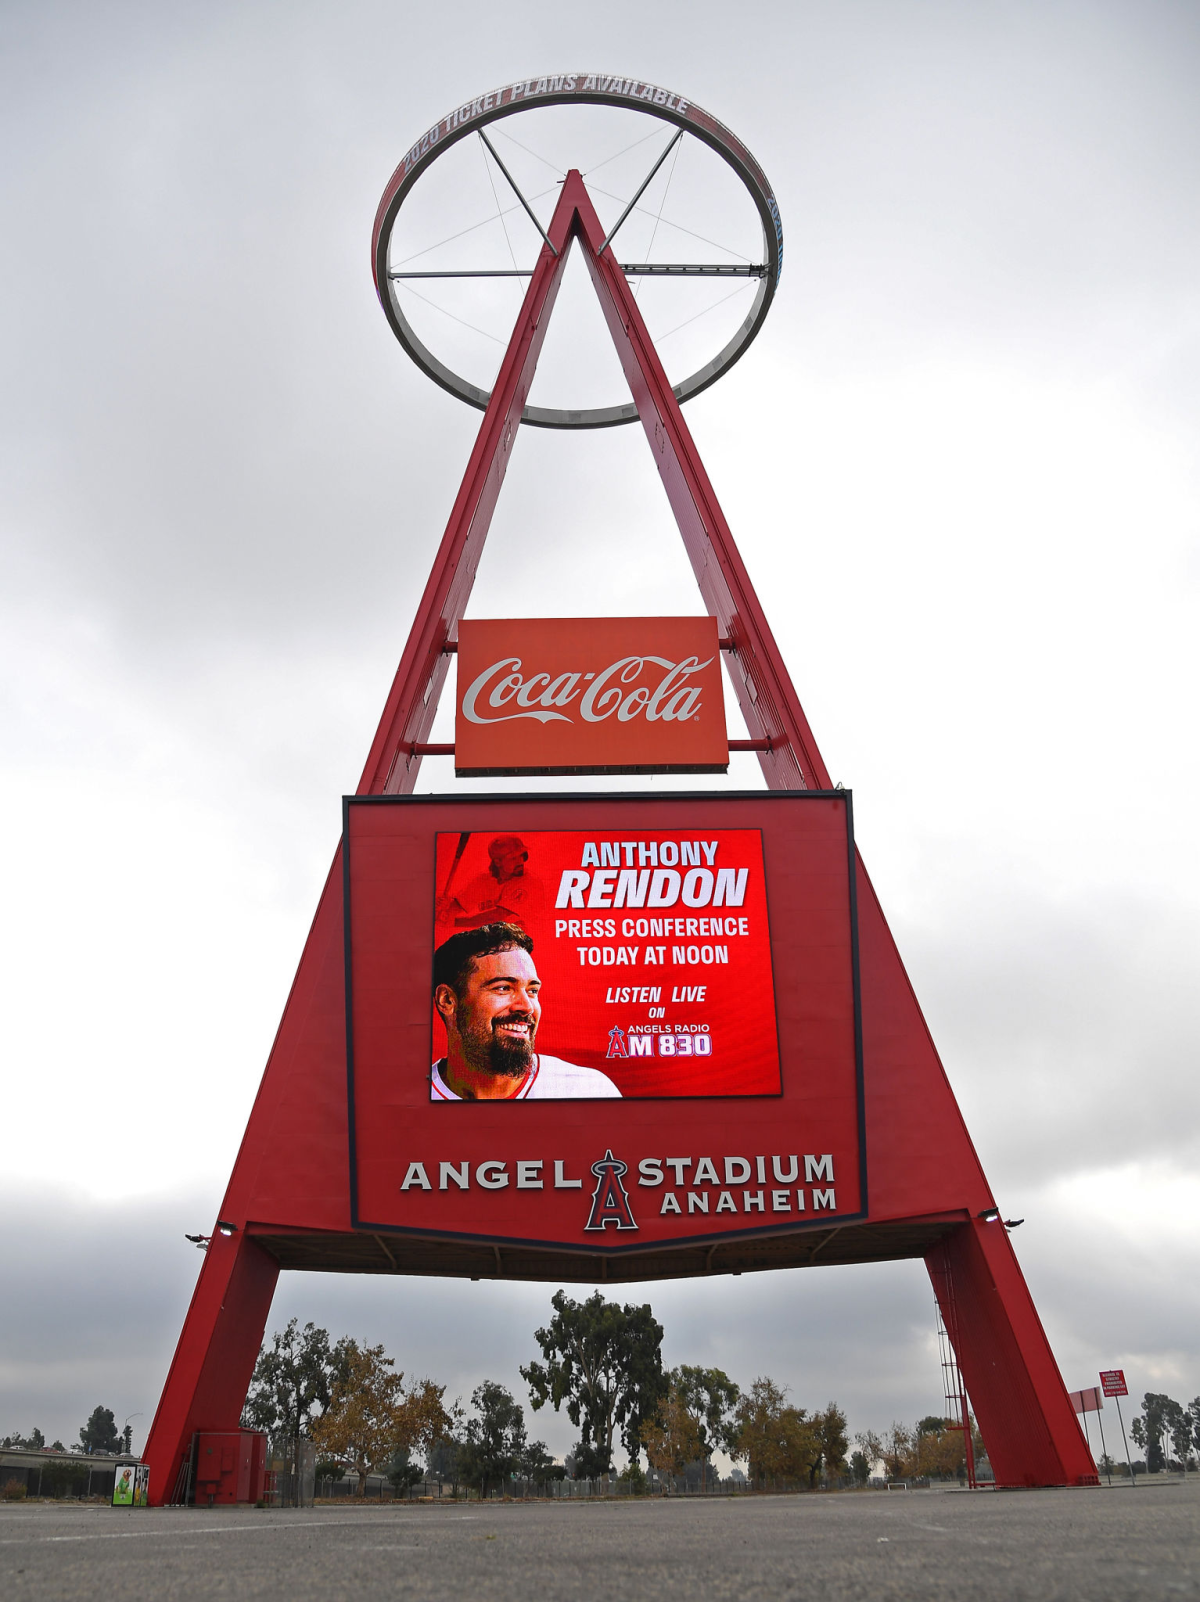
(210, 1374)
(1025, 1416)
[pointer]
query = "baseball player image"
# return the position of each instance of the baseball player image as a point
(487, 993)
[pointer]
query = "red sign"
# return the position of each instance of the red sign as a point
(587, 958)
(1089, 1401)
(590, 695)
(1113, 1381)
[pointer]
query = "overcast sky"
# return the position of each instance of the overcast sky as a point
(960, 463)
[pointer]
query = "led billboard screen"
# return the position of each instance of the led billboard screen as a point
(647, 973)
(594, 1019)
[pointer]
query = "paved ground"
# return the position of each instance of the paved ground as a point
(872, 1547)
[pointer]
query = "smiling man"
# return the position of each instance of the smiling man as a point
(488, 994)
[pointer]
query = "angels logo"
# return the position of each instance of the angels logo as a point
(610, 1204)
(616, 1042)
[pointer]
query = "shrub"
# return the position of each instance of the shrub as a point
(14, 1491)
(64, 1479)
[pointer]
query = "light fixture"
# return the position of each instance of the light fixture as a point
(226, 1228)
(989, 1215)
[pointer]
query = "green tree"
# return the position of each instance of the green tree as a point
(1177, 1425)
(830, 1427)
(100, 1433)
(871, 1447)
(711, 1397)
(860, 1468)
(443, 1459)
(537, 1464)
(604, 1362)
(1154, 1429)
(293, 1380)
(494, 1445)
(402, 1472)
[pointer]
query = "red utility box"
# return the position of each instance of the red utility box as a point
(230, 1467)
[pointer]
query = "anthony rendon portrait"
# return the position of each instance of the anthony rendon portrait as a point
(487, 993)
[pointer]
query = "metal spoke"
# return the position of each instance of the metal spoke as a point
(477, 272)
(715, 243)
(529, 211)
(645, 185)
(475, 227)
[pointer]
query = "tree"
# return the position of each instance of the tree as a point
(100, 1433)
(1152, 1429)
(605, 1363)
(711, 1397)
(938, 1448)
(871, 1447)
(293, 1380)
(897, 1451)
(860, 1467)
(778, 1440)
(442, 1459)
(537, 1464)
(1178, 1425)
(672, 1434)
(402, 1472)
(495, 1438)
(371, 1416)
(830, 1427)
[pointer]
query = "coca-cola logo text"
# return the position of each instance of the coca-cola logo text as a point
(502, 693)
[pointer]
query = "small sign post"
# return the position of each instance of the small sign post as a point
(1112, 1381)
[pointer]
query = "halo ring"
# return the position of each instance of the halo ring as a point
(630, 94)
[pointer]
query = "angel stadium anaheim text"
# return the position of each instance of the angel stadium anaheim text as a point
(707, 1184)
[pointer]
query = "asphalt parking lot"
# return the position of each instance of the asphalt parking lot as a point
(873, 1546)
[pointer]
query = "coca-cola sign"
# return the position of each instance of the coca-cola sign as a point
(590, 695)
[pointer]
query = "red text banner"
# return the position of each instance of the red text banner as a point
(746, 904)
(590, 695)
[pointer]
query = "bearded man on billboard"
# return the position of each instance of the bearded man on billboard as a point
(487, 993)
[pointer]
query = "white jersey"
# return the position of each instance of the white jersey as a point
(551, 1079)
